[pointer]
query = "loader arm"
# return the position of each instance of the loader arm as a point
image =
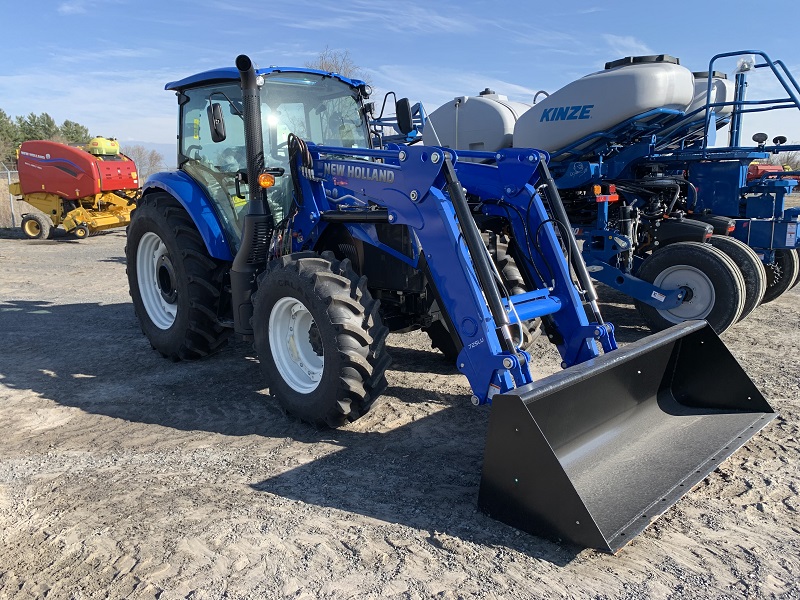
(411, 184)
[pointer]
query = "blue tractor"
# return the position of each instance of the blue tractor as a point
(686, 229)
(285, 225)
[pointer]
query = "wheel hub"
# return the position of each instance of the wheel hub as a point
(315, 339)
(32, 228)
(699, 292)
(165, 276)
(296, 345)
(157, 281)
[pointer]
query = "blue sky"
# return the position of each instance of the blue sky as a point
(104, 63)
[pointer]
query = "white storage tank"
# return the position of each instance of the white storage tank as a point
(624, 89)
(722, 90)
(484, 122)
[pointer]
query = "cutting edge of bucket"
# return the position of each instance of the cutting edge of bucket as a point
(639, 523)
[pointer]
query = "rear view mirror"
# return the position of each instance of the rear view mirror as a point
(216, 122)
(404, 119)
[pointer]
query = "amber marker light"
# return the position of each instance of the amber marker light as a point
(265, 180)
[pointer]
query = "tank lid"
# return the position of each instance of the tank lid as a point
(487, 92)
(714, 75)
(636, 60)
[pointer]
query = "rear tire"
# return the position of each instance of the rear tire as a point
(782, 274)
(714, 284)
(36, 226)
(442, 341)
(751, 267)
(174, 284)
(320, 338)
(514, 283)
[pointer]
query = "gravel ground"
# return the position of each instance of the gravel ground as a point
(124, 475)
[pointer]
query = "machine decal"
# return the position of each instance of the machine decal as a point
(364, 173)
(567, 113)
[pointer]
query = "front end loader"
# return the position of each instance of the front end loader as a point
(315, 245)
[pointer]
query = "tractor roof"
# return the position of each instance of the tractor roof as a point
(232, 74)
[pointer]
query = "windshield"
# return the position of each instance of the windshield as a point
(317, 108)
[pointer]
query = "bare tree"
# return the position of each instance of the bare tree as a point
(147, 161)
(787, 159)
(337, 61)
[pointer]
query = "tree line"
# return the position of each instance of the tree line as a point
(14, 131)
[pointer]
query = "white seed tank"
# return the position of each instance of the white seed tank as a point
(722, 90)
(485, 122)
(624, 89)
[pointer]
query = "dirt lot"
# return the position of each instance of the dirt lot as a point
(124, 475)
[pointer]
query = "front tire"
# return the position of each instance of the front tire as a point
(175, 285)
(714, 285)
(320, 338)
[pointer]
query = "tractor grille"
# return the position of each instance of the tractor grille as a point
(262, 233)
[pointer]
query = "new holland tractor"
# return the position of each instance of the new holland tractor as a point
(84, 189)
(284, 225)
(631, 152)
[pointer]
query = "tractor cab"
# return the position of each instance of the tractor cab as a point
(323, 108)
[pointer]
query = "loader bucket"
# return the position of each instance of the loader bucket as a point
(593, 454)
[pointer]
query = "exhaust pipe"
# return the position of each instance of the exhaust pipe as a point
(258, 224)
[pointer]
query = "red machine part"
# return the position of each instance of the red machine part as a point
(758, 171)
(72, 172)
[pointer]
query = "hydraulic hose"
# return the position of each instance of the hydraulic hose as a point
(560, 214)
(477, 250)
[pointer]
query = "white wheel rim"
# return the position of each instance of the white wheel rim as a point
(702, 293)
(151, 249)
(299, 365)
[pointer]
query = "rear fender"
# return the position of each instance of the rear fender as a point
(192, 197)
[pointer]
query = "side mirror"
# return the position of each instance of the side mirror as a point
(760, 138)
(216, 122)
(402, 110)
